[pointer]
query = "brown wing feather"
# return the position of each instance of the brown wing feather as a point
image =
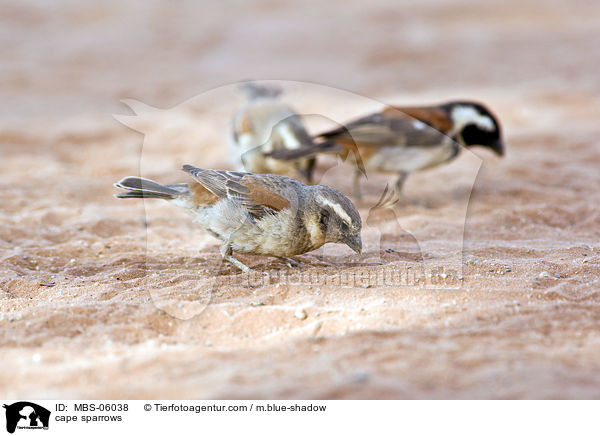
(265, 197)
(202, 195)
(384, 130)
(248, 189)
(433, 116)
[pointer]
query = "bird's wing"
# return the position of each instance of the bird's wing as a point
(390, 128)
(254, 192)
(386, 129)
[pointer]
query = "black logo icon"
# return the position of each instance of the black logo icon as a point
(26, 415)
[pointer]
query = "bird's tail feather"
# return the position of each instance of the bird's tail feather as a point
(138, 187)
(328, 146)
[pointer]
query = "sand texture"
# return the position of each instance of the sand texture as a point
(107, 298)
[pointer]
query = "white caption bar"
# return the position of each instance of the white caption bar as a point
(22, 417)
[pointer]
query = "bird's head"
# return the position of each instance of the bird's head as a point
(331, 217)
(475, 125)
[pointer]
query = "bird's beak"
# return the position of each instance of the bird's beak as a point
(498, 147)
(354, 242)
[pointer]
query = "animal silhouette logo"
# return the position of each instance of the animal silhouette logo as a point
(26, 415)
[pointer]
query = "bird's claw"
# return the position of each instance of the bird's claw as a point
(291, 262)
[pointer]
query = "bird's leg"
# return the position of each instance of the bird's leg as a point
(226, 253)
(356, 189)
(290, 262)
(305, 174)
(399, 185)
(305, 169)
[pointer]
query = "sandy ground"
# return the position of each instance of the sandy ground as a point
(101, 298)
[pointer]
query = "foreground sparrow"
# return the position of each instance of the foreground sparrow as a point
(401, 139)
(265, 124)
(262, 214)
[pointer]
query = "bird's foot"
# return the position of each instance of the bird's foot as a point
(290, 262)
(237, 263)
(226, 253)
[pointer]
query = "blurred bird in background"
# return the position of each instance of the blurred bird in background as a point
(265, 124)
(404, 139)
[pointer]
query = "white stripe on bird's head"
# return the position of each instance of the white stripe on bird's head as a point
(336, 207)
(463, 115)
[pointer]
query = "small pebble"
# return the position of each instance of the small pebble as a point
(544, 274)
(557, 276)
(507, 269)
(36, 358)
(300, 314)
(257, 303)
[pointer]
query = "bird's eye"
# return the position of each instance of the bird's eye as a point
(471, 134)
(344, 227)
(324, 219)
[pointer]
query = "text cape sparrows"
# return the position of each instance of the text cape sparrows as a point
(265, 124)
(401, 140)
(262, 214)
